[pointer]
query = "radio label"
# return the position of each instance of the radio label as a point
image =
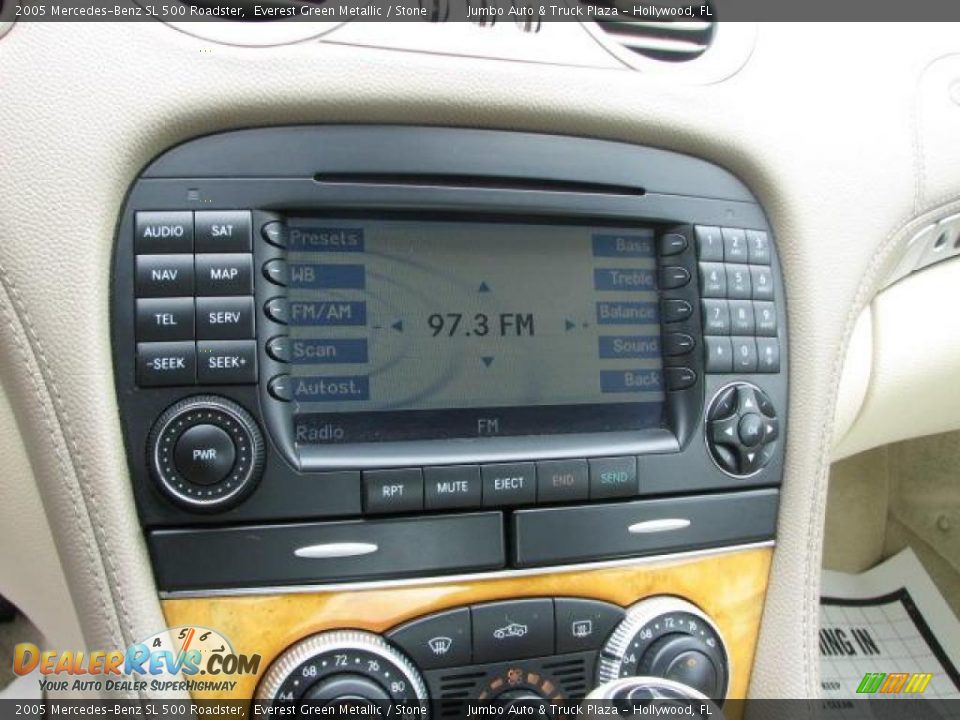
(326, 389)
(627, 313)
(325, 239)
(328, 277)
(630, 381)
(310, 352)
(608, 245)
(629, 346)
(624, 279)
(330, 314)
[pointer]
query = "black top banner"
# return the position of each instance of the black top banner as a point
(477, 11)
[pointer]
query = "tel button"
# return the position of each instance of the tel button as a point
(584, 624)
(512, 630)
(389, 491)
(164, 319)
(509, 484)
(204, 454)
(436, 641)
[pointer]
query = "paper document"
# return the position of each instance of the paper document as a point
(887, 633)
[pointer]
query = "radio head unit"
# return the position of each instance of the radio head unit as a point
(349, 311)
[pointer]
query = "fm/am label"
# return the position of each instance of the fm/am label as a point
(317, 238)
(328, 313)
(636, 244)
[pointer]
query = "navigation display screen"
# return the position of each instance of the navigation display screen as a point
(405, 329)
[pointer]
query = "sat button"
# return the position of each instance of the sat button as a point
(223, 231)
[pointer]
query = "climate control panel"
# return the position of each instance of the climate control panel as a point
(511, 651)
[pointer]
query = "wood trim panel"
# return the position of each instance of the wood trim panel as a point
(730, 588)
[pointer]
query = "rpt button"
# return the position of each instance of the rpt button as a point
(389, 491)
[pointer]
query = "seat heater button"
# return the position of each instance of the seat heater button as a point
(223, 231)
(204, 454)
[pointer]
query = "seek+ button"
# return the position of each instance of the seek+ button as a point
(509, 484)
(204, 454)
(227, 362)
(390, 491)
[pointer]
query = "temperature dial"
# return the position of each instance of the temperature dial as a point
(669, 638)
(343, 666)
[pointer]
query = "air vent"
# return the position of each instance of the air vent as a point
(673, 41)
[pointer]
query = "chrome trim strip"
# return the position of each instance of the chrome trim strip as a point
(658, 526)
(335, 550)
(444, 579)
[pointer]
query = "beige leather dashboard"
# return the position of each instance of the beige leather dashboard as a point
(828, 127)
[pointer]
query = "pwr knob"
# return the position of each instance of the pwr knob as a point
(206, 453)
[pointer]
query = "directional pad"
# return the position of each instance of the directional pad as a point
(742, 429)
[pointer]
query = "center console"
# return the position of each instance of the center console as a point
(399, 355)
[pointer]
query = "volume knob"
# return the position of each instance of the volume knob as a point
(206, 453)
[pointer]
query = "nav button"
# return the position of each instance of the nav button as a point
(509, 484)
(436, 641)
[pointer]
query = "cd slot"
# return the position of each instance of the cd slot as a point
(487, 182)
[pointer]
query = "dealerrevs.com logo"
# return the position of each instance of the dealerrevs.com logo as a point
(184, 658)
(894, 683)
